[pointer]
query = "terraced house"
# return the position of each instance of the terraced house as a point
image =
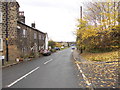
(16, 38)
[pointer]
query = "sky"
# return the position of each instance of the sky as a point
(58, 18)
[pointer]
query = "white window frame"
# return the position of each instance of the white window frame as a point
(1, 44)
(24, 33)
(0, 17)
(18, 27)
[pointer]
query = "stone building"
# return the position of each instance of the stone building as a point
(23, 40)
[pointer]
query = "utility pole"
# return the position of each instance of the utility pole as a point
(81, 49)
(81, 12)
(7, 52)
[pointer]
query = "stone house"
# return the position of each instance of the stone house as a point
(23, 40)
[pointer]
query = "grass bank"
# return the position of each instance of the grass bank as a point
(104, 56)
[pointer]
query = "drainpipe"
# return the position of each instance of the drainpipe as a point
(7, 51)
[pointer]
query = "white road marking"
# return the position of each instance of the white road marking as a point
(88, 83)
(81, 71)
(78, 67)
(48, 61)
(22, 77)
(84, 77)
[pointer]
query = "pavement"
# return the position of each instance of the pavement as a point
(98, 74)
(6, 65)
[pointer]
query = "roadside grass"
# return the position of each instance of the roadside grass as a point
(101, 57)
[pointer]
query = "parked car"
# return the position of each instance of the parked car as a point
(62, 47)
(57, 48)
(46, 52)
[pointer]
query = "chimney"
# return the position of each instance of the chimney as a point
(33, 25)
(21, 17)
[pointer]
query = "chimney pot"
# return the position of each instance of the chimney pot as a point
(33, 25)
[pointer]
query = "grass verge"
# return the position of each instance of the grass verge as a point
(104, 57)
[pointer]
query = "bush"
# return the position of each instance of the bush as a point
(53, 50)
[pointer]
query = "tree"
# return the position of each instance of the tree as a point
(58, 44)
(51, 43)
(99, 28)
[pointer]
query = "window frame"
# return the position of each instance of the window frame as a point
(1, 44)
(24, 33)
(39, 37)
(0, 17)
(42, 37)
(35, 35)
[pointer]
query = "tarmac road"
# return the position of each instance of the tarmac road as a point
(54, 71)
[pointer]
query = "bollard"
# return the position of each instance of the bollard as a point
(2, 58)
(2, 62)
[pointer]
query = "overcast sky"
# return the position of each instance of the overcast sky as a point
(56, 17)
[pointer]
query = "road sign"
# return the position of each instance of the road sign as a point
(2, 57)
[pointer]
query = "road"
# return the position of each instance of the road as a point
(54, 71)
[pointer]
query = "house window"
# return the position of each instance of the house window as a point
(42, 37)
(24, 33)
(24, 49)
(1, 44)
(39, 37)
(0, 17)
(18, 27)
(35, 36)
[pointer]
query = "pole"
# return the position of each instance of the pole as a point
(81, 12)
(7, 54)
(81, 50)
